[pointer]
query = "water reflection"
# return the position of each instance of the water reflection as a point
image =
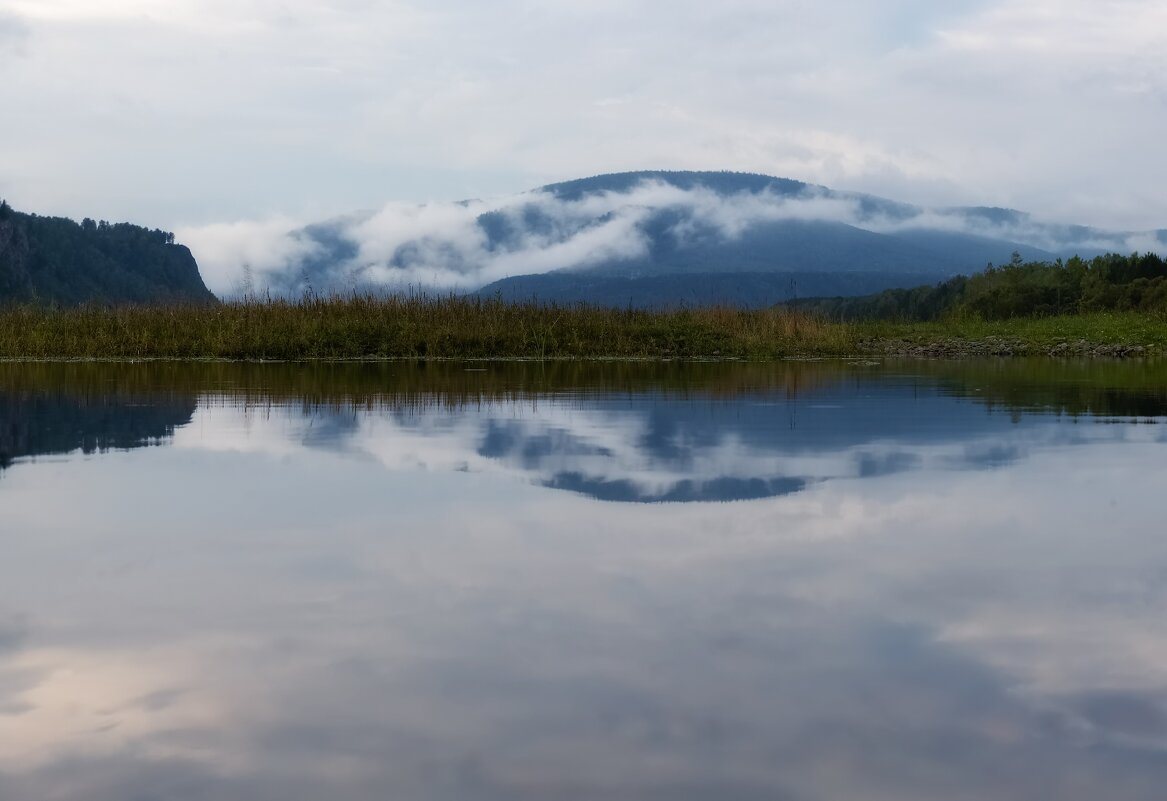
(625, 432)
(366, 590)
(51, 419)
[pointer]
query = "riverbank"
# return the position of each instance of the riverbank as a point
(451, 328)
(1101, 334)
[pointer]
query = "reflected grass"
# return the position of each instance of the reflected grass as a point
(397, 384)
(1128, 387)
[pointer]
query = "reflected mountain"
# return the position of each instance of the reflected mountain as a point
(701, 433)
(724, 488)
(443, 583)
(655, 447)
(58, 409)
(629, 433)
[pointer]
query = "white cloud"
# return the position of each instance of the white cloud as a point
(443, 246)
(13, 35)
(227, 252)
(1118, 30)
(197, 112)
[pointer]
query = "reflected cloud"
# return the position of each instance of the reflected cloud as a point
(894, 635)
(915, 595)
(988, 455)
(870, 465)
(1137, 718)
(661, 449)
(12, 634)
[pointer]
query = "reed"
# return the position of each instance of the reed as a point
(368, 327)
(421, 327)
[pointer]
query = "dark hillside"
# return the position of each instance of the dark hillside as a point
(1108, 283)
(58, 261)
(745, 290)
(721, 182)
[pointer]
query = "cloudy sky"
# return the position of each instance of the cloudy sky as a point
(186, 113)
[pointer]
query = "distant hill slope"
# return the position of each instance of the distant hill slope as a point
(719, 181)
(731, 222)
(747, 290)
(56, 260)
(770, 259)
(665, 238)
(1111, 282)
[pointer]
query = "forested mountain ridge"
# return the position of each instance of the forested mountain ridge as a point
(1111, 282)
(55, 260)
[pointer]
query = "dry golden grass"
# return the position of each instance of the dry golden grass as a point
(362, 327)
(419, 327)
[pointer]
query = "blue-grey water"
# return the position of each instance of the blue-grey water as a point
(804, 581)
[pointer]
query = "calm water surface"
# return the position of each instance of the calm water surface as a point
(796, 581)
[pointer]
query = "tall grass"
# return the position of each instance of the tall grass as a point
(364, 327)
(419, 327)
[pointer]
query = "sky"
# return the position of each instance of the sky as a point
(198, 114)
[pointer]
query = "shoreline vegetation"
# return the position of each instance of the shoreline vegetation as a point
(422, 327)
(1109, 388)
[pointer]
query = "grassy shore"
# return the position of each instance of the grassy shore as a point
(437, 328)
(1096, 334)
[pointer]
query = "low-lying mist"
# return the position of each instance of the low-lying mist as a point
(456, 247)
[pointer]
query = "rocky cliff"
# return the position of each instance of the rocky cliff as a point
(55, 260)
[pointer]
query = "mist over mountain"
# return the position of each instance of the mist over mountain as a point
(649, 238)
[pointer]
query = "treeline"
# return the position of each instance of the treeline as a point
(56, 261)
(38, 422)
(1019, 289)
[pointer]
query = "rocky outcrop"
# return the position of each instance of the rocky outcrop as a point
(56, 261)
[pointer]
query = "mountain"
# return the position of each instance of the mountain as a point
(749, 290)
(656, 238)
(56, 260)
